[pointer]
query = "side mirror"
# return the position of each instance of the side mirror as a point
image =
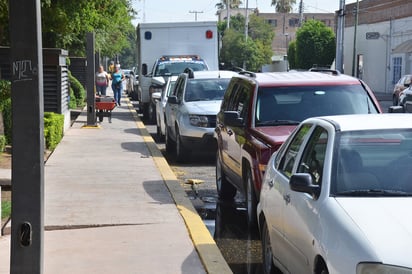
(302, 182)
(232, 118)
(144, 69)
(172, 100)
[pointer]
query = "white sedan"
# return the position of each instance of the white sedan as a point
(160, 101)
(337, 197)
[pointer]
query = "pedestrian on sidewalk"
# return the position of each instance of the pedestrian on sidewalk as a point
(102, 81)
(117, 86)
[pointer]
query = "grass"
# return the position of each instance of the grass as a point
(5, 209)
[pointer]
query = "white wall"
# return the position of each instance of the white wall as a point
(377, 53)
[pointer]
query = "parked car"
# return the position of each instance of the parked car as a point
(161, 99)
(402, 84)
(128, 82)
(336, 197)
(191, 111)
(260, 110)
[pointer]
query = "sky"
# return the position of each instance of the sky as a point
(205, 10)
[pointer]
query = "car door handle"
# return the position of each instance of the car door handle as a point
(271, 183)
(286, 197)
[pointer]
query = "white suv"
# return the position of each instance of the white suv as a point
(191, 110)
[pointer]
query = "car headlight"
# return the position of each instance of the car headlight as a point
(198, 120)
(377, 268)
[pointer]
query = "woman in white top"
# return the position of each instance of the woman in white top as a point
(102, 81)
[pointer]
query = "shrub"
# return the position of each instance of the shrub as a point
(72, 100)
(5, 108)
(78, 90)
(53, 129)
(2, 143)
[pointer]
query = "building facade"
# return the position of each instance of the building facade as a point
(284, 25)
(378, 48)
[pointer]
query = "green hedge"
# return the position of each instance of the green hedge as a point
(72, 101)
(2, 143)
(5, 108)
(53, 129)
(78, 90)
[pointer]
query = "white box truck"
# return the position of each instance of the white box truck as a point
(166, 49)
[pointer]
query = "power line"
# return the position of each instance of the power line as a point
(195, 12)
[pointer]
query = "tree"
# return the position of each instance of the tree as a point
(65, 24)
(283, 6)
(292, 55)
(315, 44)
(234, 4)
(254, 51)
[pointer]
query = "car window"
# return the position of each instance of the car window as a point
(373, 163)
(314, 155)
(206, 89)
(289, 156)
(294, 104)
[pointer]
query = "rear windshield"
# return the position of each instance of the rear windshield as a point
(294, 104)
(169, 68)
(206, 89)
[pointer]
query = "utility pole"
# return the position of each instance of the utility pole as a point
(356, 14)
(195, 12)
(300, 13)
(228, 13)
(339, 36)
(246, 27)
(26, 57)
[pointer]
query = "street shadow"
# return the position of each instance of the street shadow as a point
(158, 191)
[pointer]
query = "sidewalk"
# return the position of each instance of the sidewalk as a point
(113, 205)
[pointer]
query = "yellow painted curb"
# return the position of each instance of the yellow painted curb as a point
(204, 243)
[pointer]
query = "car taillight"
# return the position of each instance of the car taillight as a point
(209, 34)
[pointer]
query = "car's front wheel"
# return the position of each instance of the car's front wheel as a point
(181, 151)
(168, 141)
(225, 190)
(267, 254)
(251, 201)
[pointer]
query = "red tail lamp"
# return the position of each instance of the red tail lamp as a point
(209, 34)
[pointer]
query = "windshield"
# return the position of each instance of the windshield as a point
(169, 68)
(294, 104)
(373, 164)
(206, 89)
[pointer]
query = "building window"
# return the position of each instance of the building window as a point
(273, 22)
(397, 69)
(293, 22)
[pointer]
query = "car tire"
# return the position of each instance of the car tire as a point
(267, 254)
(168, 142)
(251, 201)
(159, 134)
(151, 113)
(181, 151)
(395, 100)
(225, 190)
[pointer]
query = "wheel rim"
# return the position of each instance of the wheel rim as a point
(267, 252)
(249, 199)
(218, 175)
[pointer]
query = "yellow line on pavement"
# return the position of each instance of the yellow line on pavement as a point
(204, 243)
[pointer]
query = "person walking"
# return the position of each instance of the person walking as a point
(117, 86)
(102, 81)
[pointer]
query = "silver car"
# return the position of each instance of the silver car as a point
(337, 195)
(161, 98)
(191, 111)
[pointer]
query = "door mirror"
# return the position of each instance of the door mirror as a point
(232, 118)
(302, 182)
(172, 100)
(144, 69)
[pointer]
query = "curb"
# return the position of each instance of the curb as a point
(204, 243)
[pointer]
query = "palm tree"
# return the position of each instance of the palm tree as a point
(283, 6)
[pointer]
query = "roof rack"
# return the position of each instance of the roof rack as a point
(247, 73)
(326, 70)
